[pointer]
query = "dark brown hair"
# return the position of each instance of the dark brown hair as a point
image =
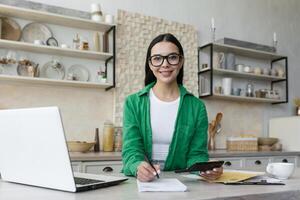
(168, 37)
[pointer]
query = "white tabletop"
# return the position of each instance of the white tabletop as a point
(128, 190)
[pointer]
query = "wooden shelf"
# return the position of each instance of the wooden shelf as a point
(246, 51)
(234, 73)
(245, 99)
(23, 46)
(46, 17)
(45, 81)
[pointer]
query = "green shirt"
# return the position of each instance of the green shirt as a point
(189, 141)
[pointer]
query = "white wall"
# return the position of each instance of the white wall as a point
(250, 20)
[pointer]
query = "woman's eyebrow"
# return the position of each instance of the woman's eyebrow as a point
(166, 54)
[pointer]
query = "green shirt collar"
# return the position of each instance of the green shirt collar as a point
(146, 90)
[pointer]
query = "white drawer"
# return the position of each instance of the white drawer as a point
(99, 167)
(287, 159)
(76, 166)
(231, 163)
(257, 163)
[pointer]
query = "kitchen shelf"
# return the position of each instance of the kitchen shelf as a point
(245, 51)
(23, 46)
(46, 17)
(46, 81)
(207, 76)
(247, 99)
(65, 21)
(234, 73)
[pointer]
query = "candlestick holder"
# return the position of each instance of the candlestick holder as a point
(275, 42)
(213, 34)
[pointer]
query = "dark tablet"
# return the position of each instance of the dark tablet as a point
(202, 166)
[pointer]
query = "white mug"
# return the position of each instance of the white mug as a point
(109, 19)
(38, 42)
(280, 170)
(64, 46)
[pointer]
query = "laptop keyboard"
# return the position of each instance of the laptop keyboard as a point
(86, 181)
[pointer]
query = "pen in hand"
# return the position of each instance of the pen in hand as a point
(150, 163)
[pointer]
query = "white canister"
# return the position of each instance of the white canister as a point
(95, 7)
(226, 85)
(109, 19)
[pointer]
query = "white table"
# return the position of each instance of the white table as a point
(128, 190)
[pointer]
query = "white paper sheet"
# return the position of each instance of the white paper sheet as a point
(162, 185)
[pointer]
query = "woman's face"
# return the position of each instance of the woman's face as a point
(165, 62)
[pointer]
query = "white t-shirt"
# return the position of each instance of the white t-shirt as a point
(163, 116)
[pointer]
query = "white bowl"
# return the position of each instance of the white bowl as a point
(78, 146)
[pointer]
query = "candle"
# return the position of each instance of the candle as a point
(212, 23)
(274, 37)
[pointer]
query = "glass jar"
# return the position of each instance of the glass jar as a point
(108, 136)
(118, 139)
(250, 90)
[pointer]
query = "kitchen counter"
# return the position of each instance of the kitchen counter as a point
(116, 156)
(128, 190)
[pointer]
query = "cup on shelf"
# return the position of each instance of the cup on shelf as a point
(64, 46)
(239, 67)
(38, 42)
(226, 85)
(280, 72)
(95, 7)
(236, 91)
(248, 69)
(109, 19)
(266, 71)
(257, 70)
(273, 72)
(218, 90)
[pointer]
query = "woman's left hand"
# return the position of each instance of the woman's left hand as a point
(212, 174)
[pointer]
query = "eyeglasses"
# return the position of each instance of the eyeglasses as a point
(172, 59)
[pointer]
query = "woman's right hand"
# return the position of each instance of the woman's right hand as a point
(146, 173)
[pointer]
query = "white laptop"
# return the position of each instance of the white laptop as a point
(33, 151)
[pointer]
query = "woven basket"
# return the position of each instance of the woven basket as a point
(241, 144)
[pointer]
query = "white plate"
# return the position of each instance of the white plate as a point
(36, 31)
(79, 72)
(53, 70)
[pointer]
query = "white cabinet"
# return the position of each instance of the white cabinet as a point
(232, 163)
(255, 163)
(97, 167)
(76, 166)
(100, 167)
(287, 159)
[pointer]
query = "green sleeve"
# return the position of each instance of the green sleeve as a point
(133, 149)
(198, 149)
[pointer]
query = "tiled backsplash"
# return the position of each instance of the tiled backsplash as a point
(134, 34)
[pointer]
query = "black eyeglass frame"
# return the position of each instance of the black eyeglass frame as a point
(166, 57)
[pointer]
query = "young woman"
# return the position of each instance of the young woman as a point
(163, 121)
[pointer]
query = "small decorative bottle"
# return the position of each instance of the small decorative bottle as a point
(76, 42)
(97, 145)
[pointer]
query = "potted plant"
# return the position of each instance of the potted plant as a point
(297, 103)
